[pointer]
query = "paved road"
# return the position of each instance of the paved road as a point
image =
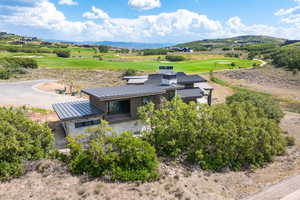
(288, 189)
(25, 93)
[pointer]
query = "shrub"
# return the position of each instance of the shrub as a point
(148, 52)
(124, 157)
(103, 48)
(174, 58)
(14, 65)
(21, 140)
(234, 136)
(269, 106)
(4, 74)
(130, 72)
(290, 140)
(62, 53)
(22, 62)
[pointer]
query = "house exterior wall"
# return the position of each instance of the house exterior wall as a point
(99, 104)
(133, 126)
(70, 129)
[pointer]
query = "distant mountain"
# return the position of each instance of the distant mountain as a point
(135, 45)
(129, 45)
(240, 40)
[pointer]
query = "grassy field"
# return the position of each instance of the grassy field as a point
(83, 58)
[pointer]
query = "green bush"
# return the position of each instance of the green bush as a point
(174, 58)
(4, 74)
(124, 157)
(62, 53)
(130, 72)
(269, 106)
(234, 136)
(22, 62)
(290, 140)
(21, 140)
(148, 52)
(13, 65)
(103, 48)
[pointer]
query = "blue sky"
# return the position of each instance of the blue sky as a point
(150, 20)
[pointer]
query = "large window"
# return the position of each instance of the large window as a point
(87, 123)
(118, 107)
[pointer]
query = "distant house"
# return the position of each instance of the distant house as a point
(119, 104)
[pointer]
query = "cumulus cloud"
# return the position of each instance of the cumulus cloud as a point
(96, 13)
(144, 4)
(67, 2)
(290, 15)
(42, 18)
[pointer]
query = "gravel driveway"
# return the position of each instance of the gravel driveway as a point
(26, 93)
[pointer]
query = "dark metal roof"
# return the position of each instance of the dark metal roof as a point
(183, 78)
(77, 109)
(124, 91)
(190, 93)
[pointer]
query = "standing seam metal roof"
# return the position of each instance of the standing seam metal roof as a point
(124, 90)
(190, 93)
(71, 110)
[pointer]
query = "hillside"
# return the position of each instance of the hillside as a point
(9, 37)
(235, 41)
(134, 45)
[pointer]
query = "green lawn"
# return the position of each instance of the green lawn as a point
(87, 62)
(186, 66)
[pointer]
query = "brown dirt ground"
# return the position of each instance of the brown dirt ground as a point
(77, 77)
(276, 81)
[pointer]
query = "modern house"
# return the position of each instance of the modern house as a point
(119, 104)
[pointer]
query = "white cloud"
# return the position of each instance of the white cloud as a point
(144, 4)
(96, 13)
(67, 2)
(44, 20)
(283, 12)
(290, 16)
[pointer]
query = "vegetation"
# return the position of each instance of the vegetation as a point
(175, 58)
(130, 72)
(103, 48)
(232, 42)
(124, 157)
(234, 136)
(63, 53)
(10, 66)
(21, 140)
(147, 52)
(287, 57)
(15, 49)
(270, 108)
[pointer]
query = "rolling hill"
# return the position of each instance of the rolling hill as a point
(235, 41)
